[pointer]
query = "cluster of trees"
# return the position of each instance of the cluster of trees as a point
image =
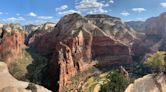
(156, 62)
(116, 82)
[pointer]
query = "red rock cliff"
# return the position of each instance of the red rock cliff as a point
(11, 44)
(74, 43)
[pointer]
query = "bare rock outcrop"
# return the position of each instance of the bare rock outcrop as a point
(10, 84)
(11, 42)
(148, 83)
(114, 27)
(154, 39)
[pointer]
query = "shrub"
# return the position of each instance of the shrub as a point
(19, 67)
(116, 82)
(156, 62)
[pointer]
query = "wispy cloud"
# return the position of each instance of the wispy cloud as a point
(14, 19)
(68, 12)
(61, 8)
(111, 1)
(92, 6)
(125, 13)
(163, 4)
(138, 10)
(32, 14)
(45, 17)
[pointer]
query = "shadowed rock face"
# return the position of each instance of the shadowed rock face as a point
(148, 83)
(155, 38)
(137, 25)
(34, 32)
(10, 84)
(75, 42)
(11, 42)
(156, 30)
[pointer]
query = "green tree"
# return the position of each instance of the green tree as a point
(156, 62)
(116, 83)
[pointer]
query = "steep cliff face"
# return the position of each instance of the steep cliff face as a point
(148, 83)
(30, 28)
(137, 25)
(156, 30)
(11, 42)
(35, 32)
(154, 39)
(113, 27)
(74, 43)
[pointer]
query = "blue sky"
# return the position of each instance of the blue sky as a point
(39, 11)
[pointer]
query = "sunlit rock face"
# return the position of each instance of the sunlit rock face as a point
(114, 27)
(76, 41)
(148, 83)
(36, 31)
(31, 27)
(11, 42)
(10, 84)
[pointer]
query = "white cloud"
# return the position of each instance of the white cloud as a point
(61, 8)
(111, 1)
(139, 10)
(91, 6)
(96, 11)
(125, 13)
(163, 4)
(68, 12)
(14, 19)
(32, 14)
(45, 17)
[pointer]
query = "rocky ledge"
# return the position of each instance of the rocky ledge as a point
(149, 83)
(10, 84)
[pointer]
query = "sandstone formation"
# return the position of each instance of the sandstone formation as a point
(148, 83)
(11, 42)
(154, 39)
(137, 25)
(77, 41)
(156, 30)
(36, 31)
(114, 27)
(10, 84)
(31, 27)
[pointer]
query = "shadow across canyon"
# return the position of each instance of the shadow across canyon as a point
(38, 70)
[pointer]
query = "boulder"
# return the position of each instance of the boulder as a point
(148, 83)
(10, 84)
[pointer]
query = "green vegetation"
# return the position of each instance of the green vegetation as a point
(156, 62)
(79, 80)
(94, 83)
(18, 68)
(29, 67)
(116, 82)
